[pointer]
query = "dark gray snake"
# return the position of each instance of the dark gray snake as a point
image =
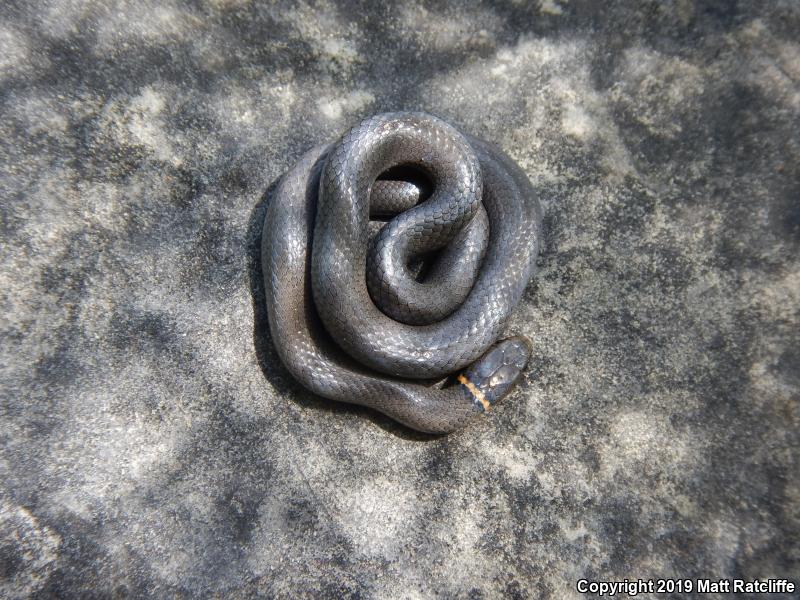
(402, 313)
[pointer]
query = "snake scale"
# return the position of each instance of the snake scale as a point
(392, 261)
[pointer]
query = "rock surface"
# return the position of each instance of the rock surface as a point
(152, 445)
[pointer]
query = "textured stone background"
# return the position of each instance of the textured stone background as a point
(152, 444)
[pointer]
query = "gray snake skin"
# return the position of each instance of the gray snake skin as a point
(392, 260)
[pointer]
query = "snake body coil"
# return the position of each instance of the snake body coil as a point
(374, 312)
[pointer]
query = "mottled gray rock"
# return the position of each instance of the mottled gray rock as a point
(153, 445)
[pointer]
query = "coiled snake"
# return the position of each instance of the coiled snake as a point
(379, 312)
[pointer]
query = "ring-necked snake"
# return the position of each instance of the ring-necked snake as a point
(392, 260)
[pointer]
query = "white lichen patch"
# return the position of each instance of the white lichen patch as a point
(145, 126)
(14, 51)
(129, 448)
(101, 205)
(641, 441)
(331, 35)
(257, 115)
(725, 538)
(467, 565)
(655, 89)
(376, 515)
(577, 122)
(33, 547)
(43, 115)
(779, 298)
(139, 122)
(517, 463)
(450, 30)
(144, 22)
(59, 19)
(534, 85)
(339, 53)
(335, 108)
(772, 66)
(551, 7)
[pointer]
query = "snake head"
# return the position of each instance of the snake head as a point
(494, 375)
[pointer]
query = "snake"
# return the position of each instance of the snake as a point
(393, 259)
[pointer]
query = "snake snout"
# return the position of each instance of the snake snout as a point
(496, 373)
